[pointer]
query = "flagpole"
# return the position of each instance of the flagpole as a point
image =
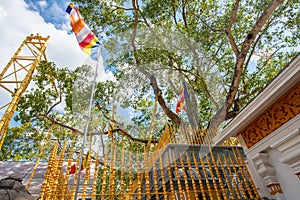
(87, 124)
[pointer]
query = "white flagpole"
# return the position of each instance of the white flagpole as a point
(87, 124)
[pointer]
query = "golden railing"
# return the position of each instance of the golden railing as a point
(177, 171)
(186, 135)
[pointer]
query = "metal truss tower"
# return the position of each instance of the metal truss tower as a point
(16, 76)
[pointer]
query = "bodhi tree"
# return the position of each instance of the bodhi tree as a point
(227, 51)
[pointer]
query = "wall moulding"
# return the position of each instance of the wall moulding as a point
(278, 114)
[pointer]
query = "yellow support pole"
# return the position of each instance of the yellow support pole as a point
(37, 46)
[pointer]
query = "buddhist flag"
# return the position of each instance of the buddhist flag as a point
(88, 42)
(183, 94)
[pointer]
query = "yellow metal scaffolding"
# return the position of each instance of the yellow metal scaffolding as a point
(17, 74)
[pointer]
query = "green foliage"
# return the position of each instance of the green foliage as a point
(22, 143)
(166, 29)
(51, 85)
(49, 98)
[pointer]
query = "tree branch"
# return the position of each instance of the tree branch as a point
(200, 77)
(129, 136)
(153, 82)
(184, 15)
(246, 46)
(121, 8)
(144, 18)
(162, 102)
(106, 117)
(210, 27)
(50, 109)
(228, 30)
(99, 133)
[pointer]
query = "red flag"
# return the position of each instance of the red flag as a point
(183, 94)
(73, 167)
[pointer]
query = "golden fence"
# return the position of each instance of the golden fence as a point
(175, 171)
(187, 135)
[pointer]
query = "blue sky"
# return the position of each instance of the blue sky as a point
(52, 11)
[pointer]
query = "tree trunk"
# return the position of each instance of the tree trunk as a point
(220, 116)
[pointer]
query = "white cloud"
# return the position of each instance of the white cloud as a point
(20, 22)
(2, 12)
(42, 4)
(17, 22)
(108, 76)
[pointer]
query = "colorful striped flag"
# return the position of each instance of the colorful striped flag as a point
(183, 94)
(88, 42)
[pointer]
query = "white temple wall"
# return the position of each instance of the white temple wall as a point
(276, 160)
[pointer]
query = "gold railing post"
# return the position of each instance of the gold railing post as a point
(161, 164)
(241, 188)
(256, 195)
(39, 156)
(130, 188)
(227, 181)
(237, 191)
(209, 164)
(194, 186)
(168, 160)
(199, 176)
(242, 173)
(221, 181)
(96, 169)
(112, 172)
(122, 168)
(146, 174)
(155, 179)
(184, 177)
(48, 178)
(206, 177)
(180, 190)
(104, 182)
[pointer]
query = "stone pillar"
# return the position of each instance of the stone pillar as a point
(289, 149)
(268, 174)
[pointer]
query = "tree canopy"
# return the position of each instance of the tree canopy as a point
(225, 51)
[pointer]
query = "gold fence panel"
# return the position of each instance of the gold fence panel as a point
(177, 171)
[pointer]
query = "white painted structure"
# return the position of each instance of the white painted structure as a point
(274, 160)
